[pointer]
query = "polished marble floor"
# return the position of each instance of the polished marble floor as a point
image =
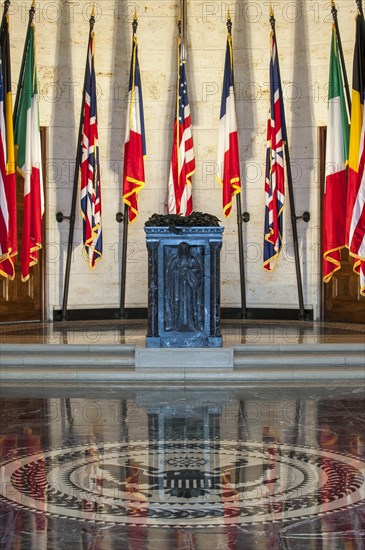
(133, 332)
(241, 469)
(254, 467)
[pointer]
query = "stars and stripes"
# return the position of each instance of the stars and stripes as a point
(228, 157)
(337, 147)
(29, 160)
(357, 225)
(180, 200)
(274, 177)
(90, 168)
(8, 213)
(135, 141)
(355, 214)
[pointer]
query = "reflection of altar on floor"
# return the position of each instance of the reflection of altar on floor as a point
(183, 475)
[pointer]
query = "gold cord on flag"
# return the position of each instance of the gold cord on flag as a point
(135, 43)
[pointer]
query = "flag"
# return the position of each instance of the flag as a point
(274, 176)
(135, 141)
(8, 214)
(90, 169)
(180, 200)
(29, 161)
(337, 147)
(228, 157)
(357, 228)
(355, 214)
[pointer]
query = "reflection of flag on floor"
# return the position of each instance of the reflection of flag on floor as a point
(355, 215)
(180, 200)
(337, 144)
(8, 221)
(90, 170)
(29, 161)
(228, 157)
(274, 179)
(135, 142)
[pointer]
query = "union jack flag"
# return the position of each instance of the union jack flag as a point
(180, 200)
(274, 178)
(90, 169)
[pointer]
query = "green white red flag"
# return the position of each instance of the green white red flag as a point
(337, 149)
(29, 160)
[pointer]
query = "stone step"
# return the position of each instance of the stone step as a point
(67, 360)
(300, 349)
(313, 360)
(66, 349)
(186, 378)
(127, 366)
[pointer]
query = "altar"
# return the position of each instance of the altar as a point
(184, 286)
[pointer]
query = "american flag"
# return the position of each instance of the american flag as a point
(355, 213)
(90, 169)
(8, 213)
(357, 224)
(228, 157)
(180, 200)
(274, 178)
(135, 141)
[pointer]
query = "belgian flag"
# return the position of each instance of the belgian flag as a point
(7, 259)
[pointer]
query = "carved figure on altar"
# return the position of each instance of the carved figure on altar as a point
(184, 291)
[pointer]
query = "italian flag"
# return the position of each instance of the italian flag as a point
(29, 161)
(337, 146)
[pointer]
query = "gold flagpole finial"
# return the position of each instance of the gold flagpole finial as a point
(33, 4)
(93, 11)
(271, 10)
(135, 22)
(229, 22)
(332, 3)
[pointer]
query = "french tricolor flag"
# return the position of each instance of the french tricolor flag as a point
(228, 158)
(135, 142)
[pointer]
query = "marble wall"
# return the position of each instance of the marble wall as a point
(303, 33)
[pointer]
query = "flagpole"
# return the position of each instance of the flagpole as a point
(343, 66)
(239, 226)
(293, 216)
(5, 13)
(359, 7)
(125, 218)
(59, 216)
(25, 52)
(183, 22)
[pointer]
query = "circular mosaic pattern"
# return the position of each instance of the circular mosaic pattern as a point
(194, 483)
